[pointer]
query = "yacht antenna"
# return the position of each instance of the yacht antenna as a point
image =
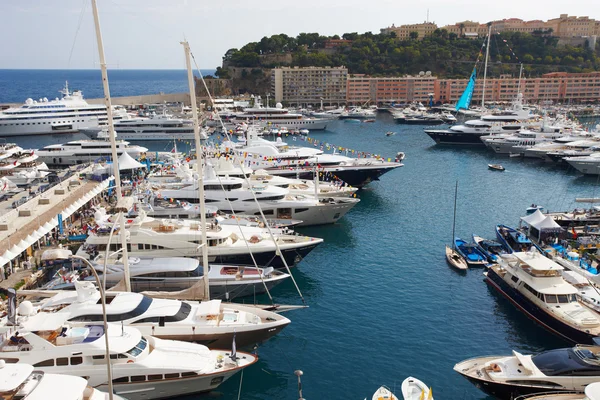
(454, 219)
(200, 165)
(487, 56)
(113, 144)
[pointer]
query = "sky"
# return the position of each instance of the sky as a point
(145, 34)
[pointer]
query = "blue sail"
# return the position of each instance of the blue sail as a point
(465, 99)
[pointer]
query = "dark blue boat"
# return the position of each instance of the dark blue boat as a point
(490, 248)
(514, 240)
(471, 253)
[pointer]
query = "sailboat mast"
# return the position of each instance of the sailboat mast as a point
(200, 164)
(520, 76)
(454, 220)
(113, 144)
(487, 56)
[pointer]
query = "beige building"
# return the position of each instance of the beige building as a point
(297, 85)
(564, 26)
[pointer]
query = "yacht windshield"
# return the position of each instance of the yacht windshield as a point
(137, 350)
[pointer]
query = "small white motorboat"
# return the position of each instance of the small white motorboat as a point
(414, 389)
(390, 133)
(455, 260)
(496, 167)
(384, 393)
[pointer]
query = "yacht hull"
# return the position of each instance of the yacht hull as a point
(447, 137)
(507, 391)
(535, 313)
(355, 176)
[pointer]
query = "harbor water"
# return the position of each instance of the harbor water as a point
(383, 303)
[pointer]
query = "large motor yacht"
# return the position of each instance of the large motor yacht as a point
(278, 158)
(533, 283)
(560, 370)
(588, 165)
(227, 244)
(212, 323)
(83, 151)
(156, 127)
(279, 116)
(65, 115)
(520, 141)
(233, 194)
(143, 367)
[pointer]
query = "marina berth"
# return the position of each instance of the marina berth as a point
(65, 115)
(21, 381)
(560, 370)
(227, 244)
(143, 367)
(534, 284)
(210, 322)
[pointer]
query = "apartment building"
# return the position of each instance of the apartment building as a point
(297, 85)
(556, 86)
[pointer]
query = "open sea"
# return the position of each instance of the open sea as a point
(383, 303)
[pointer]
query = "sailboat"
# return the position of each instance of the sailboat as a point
(452, 256)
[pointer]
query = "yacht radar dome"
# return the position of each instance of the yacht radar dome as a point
(279, 105)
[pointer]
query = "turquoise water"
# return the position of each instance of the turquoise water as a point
(383, 304)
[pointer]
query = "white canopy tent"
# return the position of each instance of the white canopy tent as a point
(534, 218)
(127, 162)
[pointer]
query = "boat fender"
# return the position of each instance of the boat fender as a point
(129, 361)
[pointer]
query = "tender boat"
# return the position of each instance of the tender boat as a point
(384, 393)
(414, 389)
(470, 253)
(455, 260)
(506, 377)
(535, 285)
(496, 167)
(490, 248)
(390, 133)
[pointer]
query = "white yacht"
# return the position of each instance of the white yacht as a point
(226, 282)
(279, 116)
(588, 165)
(278, 158)
(83, 151)
(143, 367)
(65, 115)
(212, 323)
(520, 141)
(570, 143)
(21, 382)
(560, 370)
(359, 113)
(227, 244)
(535, 285)
(156, 127)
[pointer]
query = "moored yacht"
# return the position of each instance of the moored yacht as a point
(212, 323)
(156, 127)
(560, 370)
(65, 115)
(143, 367)
(279, 116)
(588, 165)
(533, 283)
(82, 151)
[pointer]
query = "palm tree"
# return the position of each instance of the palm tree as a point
(462, 29)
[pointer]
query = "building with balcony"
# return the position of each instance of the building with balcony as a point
(309, 85)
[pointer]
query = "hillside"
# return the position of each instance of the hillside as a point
(445, 55)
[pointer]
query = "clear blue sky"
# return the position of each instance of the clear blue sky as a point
(146, 33)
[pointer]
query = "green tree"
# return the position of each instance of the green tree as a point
(413, 35)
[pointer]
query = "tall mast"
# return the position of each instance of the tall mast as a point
(454, 221)
(113, 144)
(200, 164)
(520, 75)
(487, 55)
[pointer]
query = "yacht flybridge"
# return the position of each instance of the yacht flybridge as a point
(535, 285)
(211, 323)
(83, 151)
(65, 115)
(21, 382)
(556, 371)
(143, 367)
